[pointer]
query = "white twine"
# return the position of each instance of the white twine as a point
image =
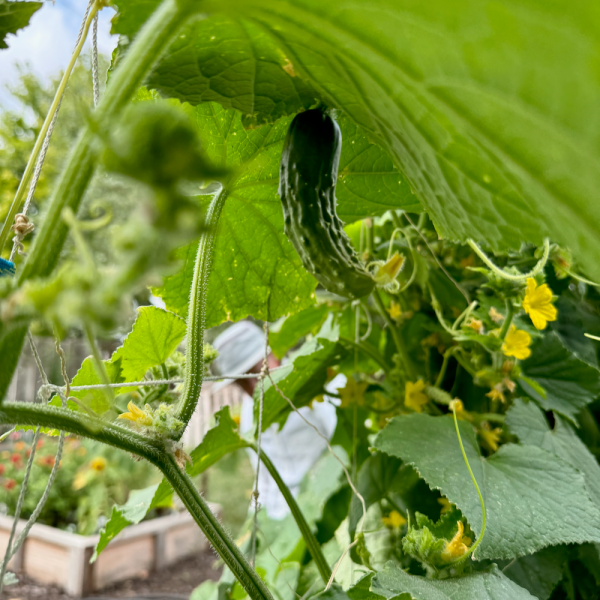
(20, 233)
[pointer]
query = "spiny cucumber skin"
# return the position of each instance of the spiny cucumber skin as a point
(308, 174)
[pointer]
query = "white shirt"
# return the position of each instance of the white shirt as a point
(293, 450)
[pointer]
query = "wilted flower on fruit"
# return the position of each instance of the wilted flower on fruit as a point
(538, 304)
(516, 343)
(458, 546)
(496, 316)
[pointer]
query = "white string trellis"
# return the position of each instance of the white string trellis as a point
(12, 548)
(22, 225)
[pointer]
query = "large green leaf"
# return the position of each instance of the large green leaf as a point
(539, 573)
(529, 424)
(489, 108)
(300, 381)
(15, 16)
(491, 585)
(295, 327)
(569, 383)
(99, 400)
(256, 270)
(155, 336)
(548, 500)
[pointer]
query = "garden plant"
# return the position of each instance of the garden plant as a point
(403, 193)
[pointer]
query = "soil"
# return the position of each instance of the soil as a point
(173, 583)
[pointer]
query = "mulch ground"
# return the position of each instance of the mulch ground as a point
(173, 583)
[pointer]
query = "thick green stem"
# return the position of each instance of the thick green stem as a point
(17, 413)
(194, 359)
(152, 39)
(226, 548)
(398, 341)
(311, 542)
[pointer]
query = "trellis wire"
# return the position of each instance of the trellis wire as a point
(17, 240)
(12, 549)
(263, 373)
(155, 382)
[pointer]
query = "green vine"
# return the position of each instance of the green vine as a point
(13, 413)
(194, 362)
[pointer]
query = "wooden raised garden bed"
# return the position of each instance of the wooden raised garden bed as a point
(52, 556)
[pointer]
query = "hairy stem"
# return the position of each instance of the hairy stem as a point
(311, 542)
(154, 452)
(152, 39)
(194, 358)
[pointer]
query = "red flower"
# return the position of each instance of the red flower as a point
(2, 469)
(15, 459)
(46, 461)
(9, 484)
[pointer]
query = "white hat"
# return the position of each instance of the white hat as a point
(240, 347)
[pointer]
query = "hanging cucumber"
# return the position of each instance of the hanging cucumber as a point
(308, 174)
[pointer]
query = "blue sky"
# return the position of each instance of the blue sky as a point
(47, 43)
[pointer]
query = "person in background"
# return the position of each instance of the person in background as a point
(297, 446)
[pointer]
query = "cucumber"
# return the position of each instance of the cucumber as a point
(307, 178)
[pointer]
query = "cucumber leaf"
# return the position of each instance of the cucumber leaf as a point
(155, 336)
(489, 585)
(535, 483)
(569, 383)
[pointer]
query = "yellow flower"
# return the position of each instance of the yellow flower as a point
(395, 311)
(386, 272)
(81, 480)
(496, 393)
(490, 437)
(538, 304)
(137, 415)
(446, 505)
(495, 315)
(353, 393)
(414, 397)
(98, 464)
(458, 545)
(394, 520)
(516, 343)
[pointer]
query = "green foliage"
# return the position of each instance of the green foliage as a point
(139, 503)
(491, 585)
(568, 382)
(382, 64)
(412, 140)
(91, 479)
(533, 482)
(301, 381)
(156, 334)
(15, 16)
